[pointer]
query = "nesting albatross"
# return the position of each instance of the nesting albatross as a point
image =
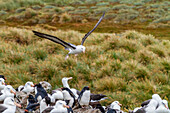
(73, 49)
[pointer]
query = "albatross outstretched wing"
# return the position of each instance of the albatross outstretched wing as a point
(86, 35)
(54, 39)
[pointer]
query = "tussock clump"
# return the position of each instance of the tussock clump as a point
(145, 40)
(132, 35)
(39, 54)
(142, 72)
(36, 7)
(19, 10)
(65, 17)
(148, 40)
(128, 70)
(164, 19)
(15, 58)
(145, 57)
(101, 10)
(2, 12)
(157, 49)
(160, 78)
(82, 68)
(69, 8)
(165, 65)
(111, 83)
(47, 72)
(79, 12)
(121, 54)
(121, 6)
(102, 4)
(116, 65)
(21, 36)
(130, 45)
(126, 14)
(143, 87)
(27, 14)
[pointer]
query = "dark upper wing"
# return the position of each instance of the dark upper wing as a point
(54, 39)
(97, 96)
(111, 111)
(86, 35)
(80, 94)
(2, 108)
(145, 103)
(141, 110)
(47, 110)
(1, 93)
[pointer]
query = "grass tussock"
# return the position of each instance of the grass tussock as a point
(132, 65)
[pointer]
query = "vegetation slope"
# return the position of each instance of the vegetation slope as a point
(147, 16)
(128, 67)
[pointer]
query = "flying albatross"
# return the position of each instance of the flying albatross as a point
(73, 49)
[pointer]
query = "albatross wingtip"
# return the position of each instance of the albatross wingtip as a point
(34, 31)
(103, 13)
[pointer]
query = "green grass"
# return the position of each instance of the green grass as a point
(145, 16)
(133, 66)
(129, 62)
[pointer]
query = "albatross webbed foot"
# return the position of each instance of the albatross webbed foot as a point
(67, 56)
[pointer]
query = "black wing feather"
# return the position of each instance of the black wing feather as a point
(145, 103)
(2, 108)
(86, 35)
(54, 39)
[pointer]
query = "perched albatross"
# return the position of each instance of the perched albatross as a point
(8, 91)
(2, 84)
(66, 85)
(9, 106)
(73, 49)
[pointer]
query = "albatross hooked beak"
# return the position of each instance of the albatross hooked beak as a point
(12, 92)
(18, 105)
(70, 78)
(119, 104)
(66, 106)
(32, 85)
(165, 106)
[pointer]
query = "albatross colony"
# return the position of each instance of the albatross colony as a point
(73, 49)
(41, 99)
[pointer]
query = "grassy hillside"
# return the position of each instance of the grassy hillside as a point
(147, 16)
(128, 67)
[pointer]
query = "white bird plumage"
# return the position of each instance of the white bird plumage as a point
(8, 91)
(29, 87)
(60, 107)
(2, 84)
(73, 49)
(10, 105)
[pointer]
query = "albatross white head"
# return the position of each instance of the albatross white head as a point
(115, 105)
(29, 87)
(9, 91)
(2, 83)
(65, 82)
